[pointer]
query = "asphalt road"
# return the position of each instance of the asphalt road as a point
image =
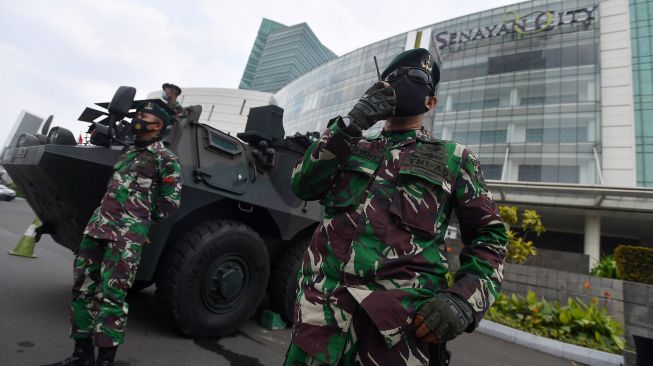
(34, 324)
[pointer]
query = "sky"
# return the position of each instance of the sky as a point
(58, 57)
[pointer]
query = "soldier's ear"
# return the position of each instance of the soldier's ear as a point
(431, 102)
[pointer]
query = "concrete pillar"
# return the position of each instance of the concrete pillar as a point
(591, 91)
(593, 238)
(446, 133)
(618, 148)
(514, 98)
(448, 107)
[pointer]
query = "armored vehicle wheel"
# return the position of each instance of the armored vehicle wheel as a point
(283, 279)
(213, 278)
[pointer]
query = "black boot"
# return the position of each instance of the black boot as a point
(105, 356)
(83, 355)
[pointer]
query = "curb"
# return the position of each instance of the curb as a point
(567, 351)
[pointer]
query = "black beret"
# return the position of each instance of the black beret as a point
(416, 57)
(151, 107)
(172, 86)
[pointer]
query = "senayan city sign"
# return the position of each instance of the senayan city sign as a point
(513, 22)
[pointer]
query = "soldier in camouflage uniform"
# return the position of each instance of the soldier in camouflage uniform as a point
(372, 288)
(170, 94)
(144, 187)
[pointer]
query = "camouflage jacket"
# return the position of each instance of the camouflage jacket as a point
(145, 186)
(388, 201)
(176, 107)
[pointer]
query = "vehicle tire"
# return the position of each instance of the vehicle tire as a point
(213, 278)
(283, 279)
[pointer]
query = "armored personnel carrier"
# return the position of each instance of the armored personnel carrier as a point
(240, 231)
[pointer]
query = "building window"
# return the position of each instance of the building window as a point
(310, 103)
(480, 137)
(492, 171)
(550, 99)
(477, 104)
(465, 72)
(549, 173)
(549, 58)
(551, 135)
(516, 62)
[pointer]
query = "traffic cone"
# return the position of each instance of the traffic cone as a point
(25, 246)
(272, 320)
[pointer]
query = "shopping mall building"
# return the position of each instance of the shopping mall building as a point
(555, 98)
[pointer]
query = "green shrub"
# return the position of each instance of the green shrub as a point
(577, 323)
(634, 263)
(606, 267)
(520, 249)
(509, 214)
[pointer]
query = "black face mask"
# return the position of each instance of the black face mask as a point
(411, 97)
(143, 143)
(139, 126)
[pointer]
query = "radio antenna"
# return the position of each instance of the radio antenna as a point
(378, 74)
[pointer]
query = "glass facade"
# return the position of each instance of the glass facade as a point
(281, 54)
(641, 31)
(267, 26)
(520, 86)
(531, 100)
(331, 89)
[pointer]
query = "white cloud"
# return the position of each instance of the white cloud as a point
(59, 57)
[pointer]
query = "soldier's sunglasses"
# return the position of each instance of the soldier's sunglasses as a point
(413, 73)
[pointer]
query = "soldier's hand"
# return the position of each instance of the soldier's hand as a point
(443, 318)
(376, 104)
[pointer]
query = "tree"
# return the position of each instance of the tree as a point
(520, 249)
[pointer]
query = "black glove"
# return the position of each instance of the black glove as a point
(377, 103)
(443, 318)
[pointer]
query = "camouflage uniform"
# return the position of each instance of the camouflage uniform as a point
(176, 107)
(376, 254)
(145, 186)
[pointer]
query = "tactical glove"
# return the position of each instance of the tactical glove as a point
(443, 318)
(377, 103)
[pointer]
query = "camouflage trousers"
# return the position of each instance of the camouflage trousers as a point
(364, 346)
(103, 272)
